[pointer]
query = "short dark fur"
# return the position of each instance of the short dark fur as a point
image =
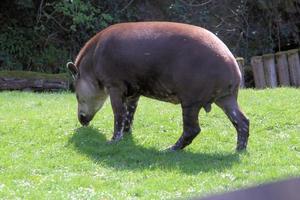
(173, 62)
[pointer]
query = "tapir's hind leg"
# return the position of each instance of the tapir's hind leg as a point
(191, 126)
(230, 106)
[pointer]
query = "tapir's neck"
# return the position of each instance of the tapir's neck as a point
(87, 50)
(86, 67)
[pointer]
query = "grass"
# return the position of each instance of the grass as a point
(45, 154)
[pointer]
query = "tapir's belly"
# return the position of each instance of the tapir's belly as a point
(158, 90)
(164, 97)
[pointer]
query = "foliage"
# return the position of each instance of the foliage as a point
(16, 45)
(248, 27)
(50, 37)
(42, 35)
(45, 154)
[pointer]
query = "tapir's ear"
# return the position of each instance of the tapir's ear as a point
(73, 69)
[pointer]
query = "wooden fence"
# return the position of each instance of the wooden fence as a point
(273, 70)
(33, 81)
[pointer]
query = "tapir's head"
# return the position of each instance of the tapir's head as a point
(90, 95)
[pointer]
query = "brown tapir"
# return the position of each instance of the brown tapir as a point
(178, 63)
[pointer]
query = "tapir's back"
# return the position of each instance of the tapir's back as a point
(178, 54)
(162, 44)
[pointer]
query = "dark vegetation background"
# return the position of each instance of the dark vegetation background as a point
(42, 35)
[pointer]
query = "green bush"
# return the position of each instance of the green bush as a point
(43, 35)
(49, 38)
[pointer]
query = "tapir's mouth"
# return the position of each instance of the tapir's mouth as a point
(84, 120)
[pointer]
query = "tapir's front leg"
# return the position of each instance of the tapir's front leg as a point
(119, 110)
(131, 104)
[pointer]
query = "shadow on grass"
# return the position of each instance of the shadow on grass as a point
(126, 155)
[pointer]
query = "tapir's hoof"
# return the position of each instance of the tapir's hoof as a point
(241, 147)
(241, 143)
(84, 124)
(116, 137)
(128, 132)
(171, 149)
(114, 140)
(111, 142)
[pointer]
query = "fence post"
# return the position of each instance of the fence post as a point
(258, 72)
(294, 67)
(282, 68)
(241, 64)
(270, 71)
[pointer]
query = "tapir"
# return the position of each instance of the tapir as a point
(173, 62)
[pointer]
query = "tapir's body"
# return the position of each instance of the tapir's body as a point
(172, 62)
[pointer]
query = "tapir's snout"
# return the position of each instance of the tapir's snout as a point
(84, 119)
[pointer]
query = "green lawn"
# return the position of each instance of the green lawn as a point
(45, 154)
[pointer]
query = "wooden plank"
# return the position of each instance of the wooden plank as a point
(294, 67)
(32, 84)
(270, 70)
(282, 68)
(258, 72)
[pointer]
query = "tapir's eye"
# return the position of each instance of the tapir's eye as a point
(79, 100)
